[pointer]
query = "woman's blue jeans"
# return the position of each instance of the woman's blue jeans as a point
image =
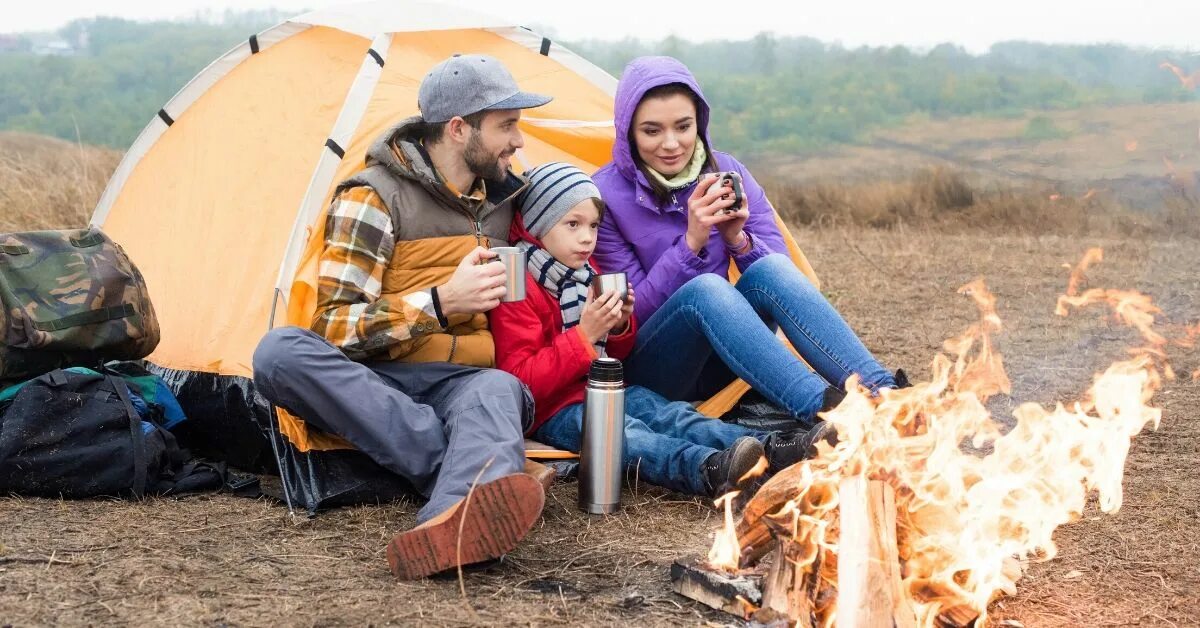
(666, 442)
(711, 331)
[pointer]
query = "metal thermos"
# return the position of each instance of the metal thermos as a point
(601, 458)
(514, 272)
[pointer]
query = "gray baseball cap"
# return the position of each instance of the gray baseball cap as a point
(466, 84)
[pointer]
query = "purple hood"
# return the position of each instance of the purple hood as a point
(640, 76)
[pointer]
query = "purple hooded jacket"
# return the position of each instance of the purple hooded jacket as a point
(645, 240)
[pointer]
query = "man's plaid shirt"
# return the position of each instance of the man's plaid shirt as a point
(351, 311)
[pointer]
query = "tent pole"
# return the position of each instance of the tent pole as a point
(274, 425)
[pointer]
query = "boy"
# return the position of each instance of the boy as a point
(549, 339)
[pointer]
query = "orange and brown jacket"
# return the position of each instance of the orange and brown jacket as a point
(394, 232)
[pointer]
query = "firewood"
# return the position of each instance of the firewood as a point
(737, 594)
(964, 616)
(869, 588)
(785, 590)
(755, 537)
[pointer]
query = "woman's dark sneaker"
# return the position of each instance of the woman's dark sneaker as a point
(723, 469)
(833, 398)
(784, 449)
(902, 379)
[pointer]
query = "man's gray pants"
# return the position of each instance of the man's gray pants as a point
(435, 424)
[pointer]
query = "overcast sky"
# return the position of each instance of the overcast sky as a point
(971, 23)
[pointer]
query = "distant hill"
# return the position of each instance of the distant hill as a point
(101, 80)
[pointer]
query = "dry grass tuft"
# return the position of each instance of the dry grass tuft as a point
(46, 183)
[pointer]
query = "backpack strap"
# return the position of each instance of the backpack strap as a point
(135, 430)
(56, 377)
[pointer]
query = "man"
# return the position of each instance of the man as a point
(398, 361)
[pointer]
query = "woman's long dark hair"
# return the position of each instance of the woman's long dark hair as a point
(661, 193)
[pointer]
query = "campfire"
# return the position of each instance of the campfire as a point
(926, 510)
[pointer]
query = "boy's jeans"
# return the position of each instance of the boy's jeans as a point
(666, 443)
(711, 331)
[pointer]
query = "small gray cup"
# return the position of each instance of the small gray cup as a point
(611, 282)
(514, 272)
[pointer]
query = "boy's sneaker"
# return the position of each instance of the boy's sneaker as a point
(784, 449)
(902, 379)
(723, 469)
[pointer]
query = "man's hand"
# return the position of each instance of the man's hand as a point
(600, 315)
(475, 286)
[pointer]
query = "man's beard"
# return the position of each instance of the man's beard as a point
(481, 163)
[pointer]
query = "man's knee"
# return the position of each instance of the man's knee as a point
(506, 392)
(275, 352)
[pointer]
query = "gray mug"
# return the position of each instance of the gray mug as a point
(610, 282)
(514, 272)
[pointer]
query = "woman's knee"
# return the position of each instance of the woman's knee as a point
(708, 288)
(776, 270)
(775, 264)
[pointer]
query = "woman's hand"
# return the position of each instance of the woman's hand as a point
(706, 208)
(600, 315)
(731, 229)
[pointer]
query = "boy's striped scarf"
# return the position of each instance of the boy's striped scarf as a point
(569, 286)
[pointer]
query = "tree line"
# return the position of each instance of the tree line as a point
(769, 94)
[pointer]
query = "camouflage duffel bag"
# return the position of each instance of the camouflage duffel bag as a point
(70, 297)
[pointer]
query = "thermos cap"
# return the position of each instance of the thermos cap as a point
(606, 371)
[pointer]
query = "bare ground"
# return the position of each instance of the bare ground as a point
(220, 560)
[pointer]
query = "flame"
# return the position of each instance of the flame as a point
(1187, 81)
(969, 519)
(726, 552)
(757, 470)
(748, 607)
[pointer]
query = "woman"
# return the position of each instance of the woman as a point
(672, 233)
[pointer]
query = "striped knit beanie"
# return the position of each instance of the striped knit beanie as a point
(554, 188)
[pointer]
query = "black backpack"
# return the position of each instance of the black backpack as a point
(75, 433)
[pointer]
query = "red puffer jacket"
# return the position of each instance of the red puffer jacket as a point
(531, 344)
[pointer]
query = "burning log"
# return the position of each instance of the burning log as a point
(964, 616)
(735, 593)
(753, 533)
(869, 591)
(786, 592)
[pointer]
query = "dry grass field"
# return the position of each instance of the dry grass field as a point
(217, 560)
(46, 183)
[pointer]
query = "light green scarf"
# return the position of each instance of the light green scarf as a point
(688, 174)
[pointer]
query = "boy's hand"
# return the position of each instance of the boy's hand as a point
(626, 312)
(600, 315)
(476, 285)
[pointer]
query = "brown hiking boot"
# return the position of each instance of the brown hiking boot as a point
(542, 473)
(493, 519)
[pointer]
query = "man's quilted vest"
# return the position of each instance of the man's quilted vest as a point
(434, 230)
